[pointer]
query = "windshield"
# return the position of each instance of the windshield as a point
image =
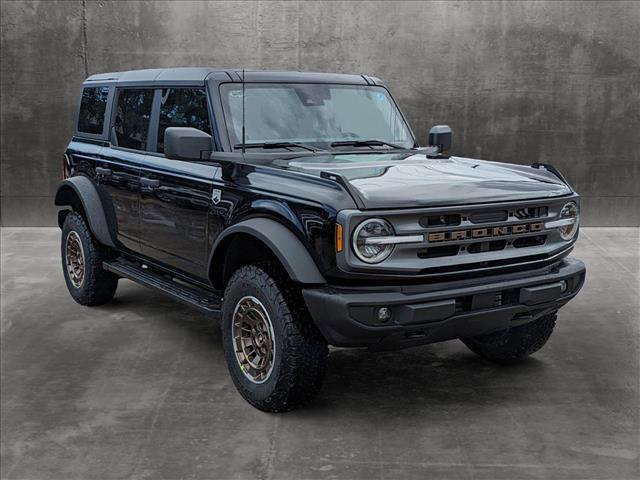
(313, 114)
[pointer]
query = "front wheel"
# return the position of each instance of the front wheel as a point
(276, 356)
(514, 344)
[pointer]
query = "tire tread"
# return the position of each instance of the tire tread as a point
(303, 365)
(99, 285)
(515, 344)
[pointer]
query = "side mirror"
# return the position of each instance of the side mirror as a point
(440, 137)
(186, 143)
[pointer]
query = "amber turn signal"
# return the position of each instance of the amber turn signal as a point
(339, 244)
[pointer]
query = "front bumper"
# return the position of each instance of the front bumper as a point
(432, 313)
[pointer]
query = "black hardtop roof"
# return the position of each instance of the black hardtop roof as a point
(198, 75)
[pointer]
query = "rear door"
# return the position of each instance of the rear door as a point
(118, 168)
(175, 195)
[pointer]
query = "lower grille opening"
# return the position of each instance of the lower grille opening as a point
(442, 251)
(530, 241)
(491, 246)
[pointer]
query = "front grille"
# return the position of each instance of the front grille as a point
(469, 240)
(508, 228)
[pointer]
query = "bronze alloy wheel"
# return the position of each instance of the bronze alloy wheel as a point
(74, 259)
(253, 339)
(276, 356)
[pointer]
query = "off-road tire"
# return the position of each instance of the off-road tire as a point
(515, 344)
(301, 353)
(98, 286)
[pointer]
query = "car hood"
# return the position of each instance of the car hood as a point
(385, 180)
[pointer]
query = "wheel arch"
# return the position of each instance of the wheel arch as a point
(255, 238)
(81, 192)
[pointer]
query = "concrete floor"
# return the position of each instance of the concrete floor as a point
(139, 389)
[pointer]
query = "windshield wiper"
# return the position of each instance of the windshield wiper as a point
(267, 145)
(365, 143)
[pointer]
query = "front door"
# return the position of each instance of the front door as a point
(175, 195)
(174, 202)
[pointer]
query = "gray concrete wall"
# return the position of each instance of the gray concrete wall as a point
(519, 82)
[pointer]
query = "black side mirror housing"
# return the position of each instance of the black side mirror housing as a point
(440, 137)
(186, 143)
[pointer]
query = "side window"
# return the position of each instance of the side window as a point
(183, 107)
(92, 108)
(131, 124)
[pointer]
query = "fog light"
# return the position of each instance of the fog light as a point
(563, 286)
(384, 314)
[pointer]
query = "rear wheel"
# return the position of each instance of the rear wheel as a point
(514, 344)
(276, 356)
(82, 256)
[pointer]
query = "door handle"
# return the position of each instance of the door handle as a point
(149, 182)
(105, 172)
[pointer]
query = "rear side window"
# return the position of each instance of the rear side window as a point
(92, 108)
(183, 107)
(131, 124)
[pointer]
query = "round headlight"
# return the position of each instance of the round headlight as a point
(366, 240)
(569, 212)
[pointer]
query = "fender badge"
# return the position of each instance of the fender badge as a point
(216, 196)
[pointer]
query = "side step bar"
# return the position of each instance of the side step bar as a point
(207, 302)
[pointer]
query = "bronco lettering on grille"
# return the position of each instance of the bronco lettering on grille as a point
(484, 232)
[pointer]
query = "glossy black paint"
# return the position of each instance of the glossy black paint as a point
(169, 213)
(117, 173)
(166, 213)
(390, 180)
(116, 177)
(175, 197)
(307, 205)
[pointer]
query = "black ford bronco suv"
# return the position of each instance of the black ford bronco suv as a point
(299, 210)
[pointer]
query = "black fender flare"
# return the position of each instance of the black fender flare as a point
(288, 248)
(84, 189)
